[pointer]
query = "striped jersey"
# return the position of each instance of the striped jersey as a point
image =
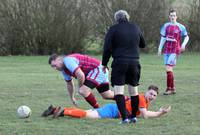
(74, 61)
(173, 34)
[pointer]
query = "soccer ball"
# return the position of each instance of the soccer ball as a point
(23, 112)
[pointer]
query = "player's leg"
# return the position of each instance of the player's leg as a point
(73, 112)
(170, 62)
(95, 78)
(107, 111)
(102, 79)
(79, 113)
(133, 92)
(105, 92)
(120, 101)
(118, 81)
(133, 77)
(85, 91)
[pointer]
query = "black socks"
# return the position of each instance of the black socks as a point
(120, 100)
(134, 105)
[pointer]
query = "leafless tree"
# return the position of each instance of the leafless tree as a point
(194, 26)
(148, 14)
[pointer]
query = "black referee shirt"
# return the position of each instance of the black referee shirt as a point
(123, 41)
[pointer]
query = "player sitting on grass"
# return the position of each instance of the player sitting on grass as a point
(110, 110)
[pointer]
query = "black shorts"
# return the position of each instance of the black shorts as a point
(125, 74)
(100, 88)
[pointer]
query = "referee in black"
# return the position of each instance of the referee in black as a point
(122, 42)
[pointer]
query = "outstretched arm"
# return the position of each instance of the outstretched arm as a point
(154, 114)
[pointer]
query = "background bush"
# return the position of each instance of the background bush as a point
(194, 26)
(148, 14)
(41, 27)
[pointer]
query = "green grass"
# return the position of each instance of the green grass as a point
(30, 81)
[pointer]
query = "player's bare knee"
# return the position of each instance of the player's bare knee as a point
(108, 96)
(105, 97)
(82, 91)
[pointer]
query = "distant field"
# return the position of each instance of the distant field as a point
(30, 81)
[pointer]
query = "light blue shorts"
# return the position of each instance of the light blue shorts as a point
(170, 59)
(98, 76)
(108, 111)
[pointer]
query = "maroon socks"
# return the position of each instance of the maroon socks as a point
(170, 80)
(92, 101)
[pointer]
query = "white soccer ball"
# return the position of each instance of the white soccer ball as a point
(23, 112)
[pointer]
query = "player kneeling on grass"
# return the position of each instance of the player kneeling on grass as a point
(110, 110)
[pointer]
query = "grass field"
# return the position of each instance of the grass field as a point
(30, 81)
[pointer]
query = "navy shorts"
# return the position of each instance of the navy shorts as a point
(108, 111)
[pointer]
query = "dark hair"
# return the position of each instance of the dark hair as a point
(172, 10)
(52, 57)
(155, 88)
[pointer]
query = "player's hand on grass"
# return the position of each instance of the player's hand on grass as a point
(165, 109)
(74, 101)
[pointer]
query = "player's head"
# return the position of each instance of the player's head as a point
(56, 62)
(172, 15)
(121, 15)
(152, 93)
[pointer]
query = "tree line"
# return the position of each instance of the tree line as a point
(42, 27)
